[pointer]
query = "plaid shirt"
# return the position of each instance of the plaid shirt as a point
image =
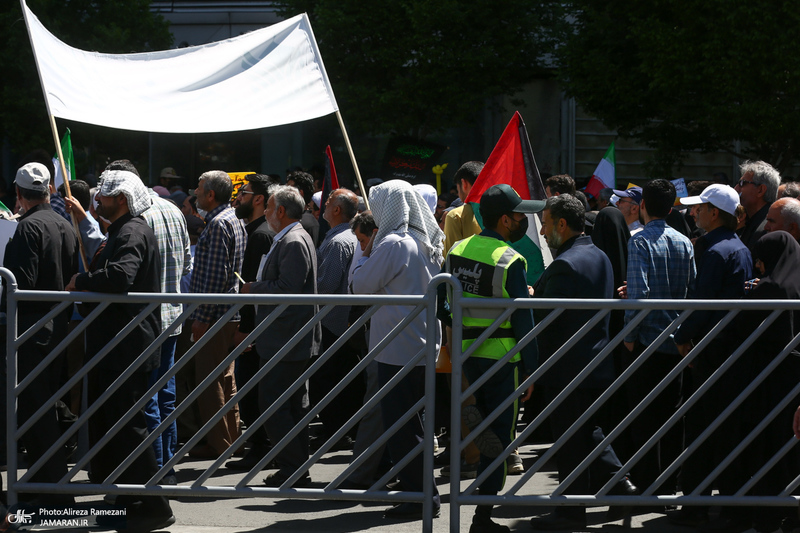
(333, 260)
(218, 254)
(169, 225)
(58, 205)
(660, 267)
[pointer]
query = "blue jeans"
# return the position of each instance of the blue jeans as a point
(162, 404)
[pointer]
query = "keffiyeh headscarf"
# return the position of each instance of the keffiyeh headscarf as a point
(398, 208)
(114, 182)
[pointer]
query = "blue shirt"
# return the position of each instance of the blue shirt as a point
(660, 267)
(333, 265)
(721, 272)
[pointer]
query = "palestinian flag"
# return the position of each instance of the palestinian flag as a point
(69, 161)
(512, 162)
(605, 175)
(329, 183)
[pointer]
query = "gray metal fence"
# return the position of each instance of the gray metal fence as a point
(513, 494)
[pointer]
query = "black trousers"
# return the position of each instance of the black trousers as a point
(270, 388)
(247, 364)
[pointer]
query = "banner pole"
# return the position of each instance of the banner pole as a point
(352, 158)
(67, 189)
(53, 127)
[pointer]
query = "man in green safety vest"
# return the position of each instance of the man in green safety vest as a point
(488, 267)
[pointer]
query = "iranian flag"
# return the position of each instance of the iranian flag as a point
(512, 162)
(69, 161)
(605, 174)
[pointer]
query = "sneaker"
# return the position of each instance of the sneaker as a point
(276, 479)
(514, 463)
(487, 442)
(468, 471)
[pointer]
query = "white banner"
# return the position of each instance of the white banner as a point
(265, 78)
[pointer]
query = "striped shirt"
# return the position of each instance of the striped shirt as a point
(169, 225)
(660, 267)
(333, 259)
(218, 254)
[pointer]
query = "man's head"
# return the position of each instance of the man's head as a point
(503, 210)
(341, 207)
(285, 205)
(123, 164)
(604, 198)
(33, 184)
(442, 202)
(560, 184)
(214, 188)
(465, 177)
(303, 182)
(784, 214)
(563, 218)
(80, 191)
(714, 207)
(251, 201)
(363, 226)
(758, 185)
(629, 202)
(790, 189)
(658, 197)
(121, 192)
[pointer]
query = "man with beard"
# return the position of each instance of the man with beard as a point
(290, 267)
(129, 262)
(580, 270)
(250, 204)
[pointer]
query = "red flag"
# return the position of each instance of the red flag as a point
(511, 162)
(329, 183)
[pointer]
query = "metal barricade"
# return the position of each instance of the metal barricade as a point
(513, 494)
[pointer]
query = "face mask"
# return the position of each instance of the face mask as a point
(520, 232)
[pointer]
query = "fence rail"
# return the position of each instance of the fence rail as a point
(419, 305)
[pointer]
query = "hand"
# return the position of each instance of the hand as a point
(71, 285)
(528, 393)
(74, 208)
(199, 329)
(623, 291)
(796, 424)
(245, 289)
(368, 247)
(685, 348)
(629, 345)
(238, 338)
(530, 291)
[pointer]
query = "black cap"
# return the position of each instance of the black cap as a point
(504, 199)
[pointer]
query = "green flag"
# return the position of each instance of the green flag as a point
(69, 159)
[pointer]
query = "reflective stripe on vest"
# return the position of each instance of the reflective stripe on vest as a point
(481, 265)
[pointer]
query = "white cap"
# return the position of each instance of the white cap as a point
(722, 196)
(34, 177)
(317, 198)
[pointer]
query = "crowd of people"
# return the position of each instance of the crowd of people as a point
(721, 242)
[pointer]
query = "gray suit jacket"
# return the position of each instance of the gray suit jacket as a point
(291, 268)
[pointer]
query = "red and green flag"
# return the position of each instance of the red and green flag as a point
(512, 162)
(605, 175)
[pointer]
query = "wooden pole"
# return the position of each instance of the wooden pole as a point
(352, 158)
(67, 190)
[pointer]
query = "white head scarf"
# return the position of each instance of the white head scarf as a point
(397, 208)
(428, 194)
(114, 182)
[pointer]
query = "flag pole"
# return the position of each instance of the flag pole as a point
(67, 189)
(352, 158)
(53, 127)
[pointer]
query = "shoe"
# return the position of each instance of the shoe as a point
(624, 487)
(352, 485)
(689, 516)
(169, 480)
(484, 524)
(487, 442)
(143, 518)
(407, 511)
(276, 479)
(468, 471)
(203, 452)
(557, 521)
(724, 524)
(251, 459)
(344, 444)
(394, 486)
(514, 464)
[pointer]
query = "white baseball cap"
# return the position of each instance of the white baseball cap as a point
(33, 176)
(722, 196)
